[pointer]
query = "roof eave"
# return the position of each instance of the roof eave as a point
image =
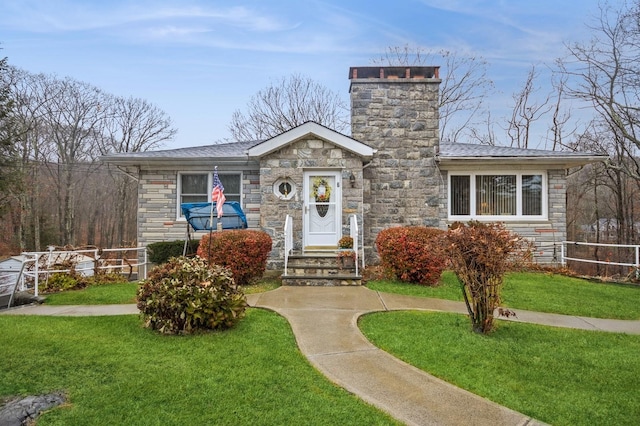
(305, 130)
(564, 162)
(177, 163)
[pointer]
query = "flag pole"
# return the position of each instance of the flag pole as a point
(211, 214)
(217, 194)
(211, 219)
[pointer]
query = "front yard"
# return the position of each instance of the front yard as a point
(116, 372)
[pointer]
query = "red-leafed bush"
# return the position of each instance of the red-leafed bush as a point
(481, 254)
(244, 252)
(412, 253)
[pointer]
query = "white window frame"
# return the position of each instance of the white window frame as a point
(179, 215)
(502, 218)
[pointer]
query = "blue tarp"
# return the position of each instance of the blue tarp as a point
(199, 214)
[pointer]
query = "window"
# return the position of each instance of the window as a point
(284, 188)
(496, 196)
(196, 187)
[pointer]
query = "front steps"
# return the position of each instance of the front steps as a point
(319, 269)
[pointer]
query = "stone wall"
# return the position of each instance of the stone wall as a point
(546, 235)
(399, 118)
(291, 162)
(157, 206)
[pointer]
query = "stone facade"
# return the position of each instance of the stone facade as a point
(291, 162)
(158, 208)
(546, 235)
(398, 117)
(392, 170)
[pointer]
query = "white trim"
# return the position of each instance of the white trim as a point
(209, 173)
(519, 217)
(311, 128)
(337, 174)
(280, 181)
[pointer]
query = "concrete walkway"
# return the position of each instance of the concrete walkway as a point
(324, 321)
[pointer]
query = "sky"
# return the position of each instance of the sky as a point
(200, 60)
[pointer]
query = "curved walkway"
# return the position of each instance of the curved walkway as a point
(324, 321)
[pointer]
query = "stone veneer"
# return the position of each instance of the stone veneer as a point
(546, 235)
(157, 205)
(292, 161)
(395, 110)
(398, 117)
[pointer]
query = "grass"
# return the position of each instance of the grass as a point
(116, 372)
(558, 376)
(540, 292)
(104, 294)
(122, 293)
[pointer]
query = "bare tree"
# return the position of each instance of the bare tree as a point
(285, 104)
(558, 133)
(74, 118)
(29, 93)
(607, 75)
(8, 157)
(464, 89)
(604, 73)
(59, 127)
(132, 125)
(526, 111)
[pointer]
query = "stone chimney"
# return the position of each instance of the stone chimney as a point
(395, 110)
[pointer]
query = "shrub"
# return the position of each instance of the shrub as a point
(412, 253)
(161, 251)
(61, 281)
(185, 295)
(480, 254)
(244, 252)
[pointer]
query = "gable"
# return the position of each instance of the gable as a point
(311, 129)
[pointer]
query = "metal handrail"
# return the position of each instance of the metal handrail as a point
(15, 285)
(288, 241)
(96, 259)
(354, 234)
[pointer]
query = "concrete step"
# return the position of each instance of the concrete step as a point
(319, 281)
(319, 269)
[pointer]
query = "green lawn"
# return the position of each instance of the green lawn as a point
(115, 372)
(104, 294)
(120, 293)
(558, 376)
(541, 292)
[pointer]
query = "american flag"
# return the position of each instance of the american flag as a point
(217, 194)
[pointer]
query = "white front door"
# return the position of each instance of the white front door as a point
(322, 209)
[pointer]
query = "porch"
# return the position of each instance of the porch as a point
(326, 266)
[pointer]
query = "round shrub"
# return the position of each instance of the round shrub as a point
(186, 295)
(412, 253)
(244, 252)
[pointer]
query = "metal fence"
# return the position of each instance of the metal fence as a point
(31, 268)
(610, 259)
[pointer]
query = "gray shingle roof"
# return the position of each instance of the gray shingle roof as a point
(459, 150)
(460, 154)
(225, 150)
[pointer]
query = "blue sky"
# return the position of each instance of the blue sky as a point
(201, 60)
